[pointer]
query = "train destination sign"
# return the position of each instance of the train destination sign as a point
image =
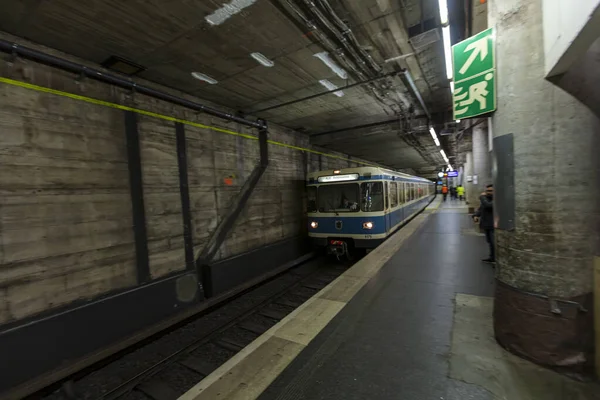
(338, 178)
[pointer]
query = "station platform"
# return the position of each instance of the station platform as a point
(412, 320)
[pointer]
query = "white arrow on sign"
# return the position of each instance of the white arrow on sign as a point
(478, 47)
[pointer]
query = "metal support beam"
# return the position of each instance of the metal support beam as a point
(227, 222)
(314, 96)
(410, 85)
(185, 195)
(134, 163)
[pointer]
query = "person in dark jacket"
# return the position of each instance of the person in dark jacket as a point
(453, 193)
(485, 217)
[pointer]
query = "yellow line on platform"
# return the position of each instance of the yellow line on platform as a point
(254, 368)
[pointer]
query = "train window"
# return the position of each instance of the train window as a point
(401, 193)
(371, 194)
(411, 191)
(393, 194)
(338, 198)
(420, 190)
(311, 199)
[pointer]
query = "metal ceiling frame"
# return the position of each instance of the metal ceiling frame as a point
(314, 96)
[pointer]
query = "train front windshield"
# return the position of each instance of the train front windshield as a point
(346, 197)
(343, 197)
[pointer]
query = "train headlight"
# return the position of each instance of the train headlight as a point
(314, 224)
(368, 225)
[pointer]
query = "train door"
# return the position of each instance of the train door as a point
(387, 206)
(401, 200)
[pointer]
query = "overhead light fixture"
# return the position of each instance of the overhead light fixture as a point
(339, 71)
(447, 50)
(434, 136)
(227, 10)
(204, 77)
(444, 156)
(262, 59)
(443, 11)
(330, 86)
(450, 167)
(452, 88)
(458, 121)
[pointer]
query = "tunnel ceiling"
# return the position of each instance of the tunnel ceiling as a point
(172, 39)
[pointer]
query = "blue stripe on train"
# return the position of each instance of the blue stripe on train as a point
(354, 225)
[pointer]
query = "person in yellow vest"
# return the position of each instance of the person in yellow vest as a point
(460, 191)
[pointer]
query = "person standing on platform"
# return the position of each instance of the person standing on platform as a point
(460, 190)
(453, 193)
(485, 217)
(444, 191)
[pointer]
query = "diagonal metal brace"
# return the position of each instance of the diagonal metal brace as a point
(237, 205)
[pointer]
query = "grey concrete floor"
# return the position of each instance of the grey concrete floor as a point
(399, 337)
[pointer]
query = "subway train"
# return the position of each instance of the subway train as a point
(355, 209)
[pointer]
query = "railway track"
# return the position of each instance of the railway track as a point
(169, 365)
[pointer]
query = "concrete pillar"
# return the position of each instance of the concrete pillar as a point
(482, 160)
(548, 255)
(470, 191)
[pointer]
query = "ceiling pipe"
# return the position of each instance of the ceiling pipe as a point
(301, 10)
(349, 40)
(352, 62)
(347, 32)
(410, 84)
(322, 38)
(115, 80)
(323, 20)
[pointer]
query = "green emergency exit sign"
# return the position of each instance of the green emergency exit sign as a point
(474, 65)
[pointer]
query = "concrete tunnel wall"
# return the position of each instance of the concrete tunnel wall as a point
(66, 213)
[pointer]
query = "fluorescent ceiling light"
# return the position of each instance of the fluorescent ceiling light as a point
(331, 86)
(457, 121)
(452, 88)
(205, 78)
(444, 155)
(447, 51)
(262, 59)
(443, 11)
(434, 136)
(450, 167)
(229, 9)
(339, 71)
(432, 131)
